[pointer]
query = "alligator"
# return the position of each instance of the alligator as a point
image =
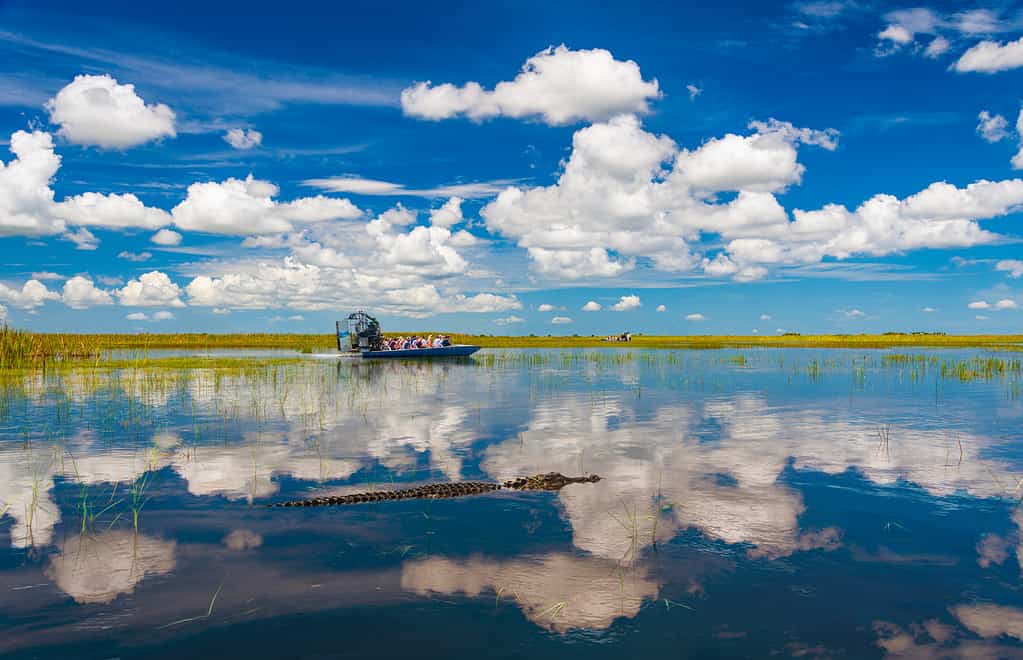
(549, 481)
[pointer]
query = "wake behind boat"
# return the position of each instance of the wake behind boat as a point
(360, 334)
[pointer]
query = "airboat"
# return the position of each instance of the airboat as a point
(360, 334)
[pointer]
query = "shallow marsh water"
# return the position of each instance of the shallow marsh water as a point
(809, 503)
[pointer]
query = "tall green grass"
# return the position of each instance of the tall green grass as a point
(20, 349)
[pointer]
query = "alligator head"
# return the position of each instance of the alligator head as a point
(549, 481)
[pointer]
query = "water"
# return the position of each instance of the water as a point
(753, 503)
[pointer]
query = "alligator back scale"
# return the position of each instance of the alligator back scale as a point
(548, 481)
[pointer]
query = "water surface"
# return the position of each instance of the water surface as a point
(810, 503)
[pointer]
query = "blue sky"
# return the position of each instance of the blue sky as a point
(734, 168)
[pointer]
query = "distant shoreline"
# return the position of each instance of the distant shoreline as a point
(327, 341)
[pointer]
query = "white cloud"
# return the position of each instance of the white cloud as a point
(1012, 266)
(559, 85)
(545, 307)
(166, 237)
(32, 294)
(164, 315)
(152, 289)
(448, 215)
(853, 313)
(3, 313)
(27, 206)
(508, 320)
(626, 194)
(82, 238)
(243, 138)
(246, 207)
(1017, 160)
(1005, 303)
(981, 317)
(694, 91)
(992, 127)
(137, 257)
(662, 308)
(991, 57)
(938, 47)
(896, 34)
(97, 111)
(560, 320)
(111, 211)
(26, 199)
(626, 303)
(592, 306)
(47, 275)
(137, 316)
(80, 293)
(928, 310)
(110, 281)
(765, 317)
(979, 304)
(696, 317)
(360, 186)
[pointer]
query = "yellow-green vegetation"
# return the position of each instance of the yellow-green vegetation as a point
(22, 349)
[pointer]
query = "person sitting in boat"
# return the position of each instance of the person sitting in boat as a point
(437, 341)
(445, 341)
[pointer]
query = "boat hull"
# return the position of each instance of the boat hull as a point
(459, 350)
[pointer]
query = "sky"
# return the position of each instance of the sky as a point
(512, 168)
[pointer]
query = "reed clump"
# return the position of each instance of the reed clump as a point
(20, 349)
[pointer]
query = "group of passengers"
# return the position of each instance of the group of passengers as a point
(415, 341)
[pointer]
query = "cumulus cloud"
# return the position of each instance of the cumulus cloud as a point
(152, 289)
(928, 310)
(163, 315)
(592, 306)
(243, 138)
(992, 127)
(243, 207)
(448, 215)
(98, 111)
(31, 295)
(509, 320)
(80, 293)
(1014, 267)
(626, 194)
(765, 317)
(617, 201)
(28, 208)
(696, 317)
(26, 199)
(137, 316)
(111, 211)
(694, 91)
(852, 313)
(662, 308)
(979, 304)
(560, 320)
(545, 307)
(991, 57)
(390, 263)
(938, 47)
(626, 303)
(167, 237)
(558, 85)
